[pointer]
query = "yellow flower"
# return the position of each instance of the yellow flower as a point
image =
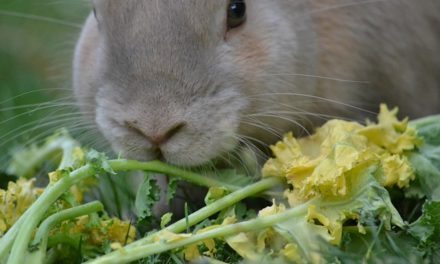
(79, 157)
(191, 252)
(286, 152)
(116, 246)
(55, 176)
(229, 220)
(16, 200)
(321, 164)
(334, 225)
(390, 133)
(77, 190)
(209, 243)
(271, 210)
(267, 236)
(291, 253)
(170, 237)
(396, 170)
(113, 230)
(245, 245)
(120, 231)
(254, 246)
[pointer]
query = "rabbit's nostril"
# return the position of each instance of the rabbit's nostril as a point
(161, 138)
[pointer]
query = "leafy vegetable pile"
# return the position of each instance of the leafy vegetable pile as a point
(348, 193)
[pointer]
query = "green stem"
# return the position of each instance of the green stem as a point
(7, 240)
(224, 203)
(68, 146)
(215, 207)
(41, 237)
(43, 230)
(71, 213)
(39, 208)
(163, 168)
(64, 144)
(131, 254)
(71, 240)
(204, 213)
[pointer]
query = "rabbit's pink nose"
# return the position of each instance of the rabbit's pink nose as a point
(161, 137)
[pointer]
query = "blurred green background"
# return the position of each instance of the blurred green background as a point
(37, 39)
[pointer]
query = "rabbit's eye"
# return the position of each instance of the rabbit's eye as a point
(236, 13)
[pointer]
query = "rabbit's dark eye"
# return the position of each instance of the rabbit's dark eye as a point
(236, 13)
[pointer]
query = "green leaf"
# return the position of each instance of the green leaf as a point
(69, 198)
(429, 129)
(368, 201)
(99, 162)
(427, 231)
(427, 227)
(117, 194)
(172, 189)
(426, 160)
(376, 246)
(165, 220)
(214, 194)
(234, 177)
(427, 181)
(95, 222)
(148, 194)
(26, 161)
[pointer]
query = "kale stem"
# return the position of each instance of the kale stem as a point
(68, 214)
(65, 239)
(163, 168)
(141, 251)
(8, 239)
(213, 208)
(41, 237)
(64, 144)
(224, 203)
(201, 214)
(39, 208)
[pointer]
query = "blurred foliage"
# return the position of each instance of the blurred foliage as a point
(37, 42)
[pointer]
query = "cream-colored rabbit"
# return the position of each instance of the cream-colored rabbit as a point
(187, 80)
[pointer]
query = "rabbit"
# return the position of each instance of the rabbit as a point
(188, 81)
